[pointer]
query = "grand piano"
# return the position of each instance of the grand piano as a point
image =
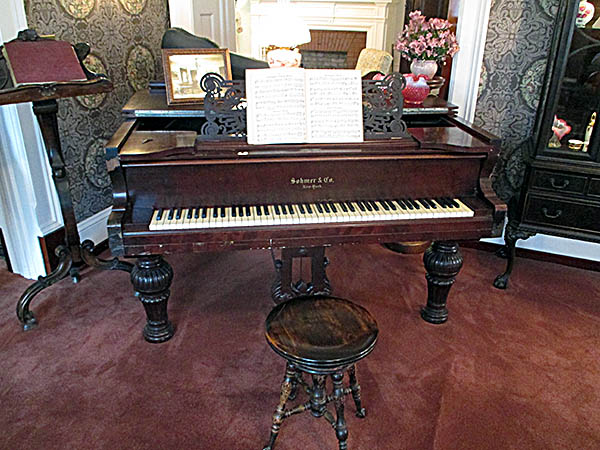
(176, 190)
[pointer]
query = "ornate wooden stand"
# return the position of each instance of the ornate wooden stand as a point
(72, 254)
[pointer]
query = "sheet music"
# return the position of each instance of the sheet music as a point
(334, 105)
(276, 109)
(289, 106)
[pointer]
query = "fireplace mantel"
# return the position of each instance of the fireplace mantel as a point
(381, 20)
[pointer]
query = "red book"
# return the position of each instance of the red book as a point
(42, 61)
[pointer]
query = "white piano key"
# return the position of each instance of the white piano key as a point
(464, 209)
(154, 221)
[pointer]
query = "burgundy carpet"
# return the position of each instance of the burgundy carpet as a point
(515, 369)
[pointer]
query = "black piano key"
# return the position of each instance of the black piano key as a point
(424, 202)
(309, 209)
(159, 215)
(441, 201)
(222, 211)
(170, 216)
(178, 214)
(368, 206)
(401, 204)
(241, 211)
(189, 213)
(453, 202)
(301, 208)
(411, 204)
(215, 212)
(247, 208)
(391, 205)
(374, 205)
(277, 211)
(284, 210)
(384, 205)
(258, 210)
(319, 208)
(351, 207)
(326, 207)
(344, 207)
(203, 213)
(291, 210)
(434, 204)
(333, 208)
(234, 211)
(361, 206)
(265, 210)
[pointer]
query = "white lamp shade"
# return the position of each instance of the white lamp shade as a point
(284, 28)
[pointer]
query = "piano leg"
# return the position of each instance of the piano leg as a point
(151, 278)
(512, 234)
(442, 262)
(285, 288)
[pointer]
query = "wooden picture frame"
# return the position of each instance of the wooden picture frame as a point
(184, 68)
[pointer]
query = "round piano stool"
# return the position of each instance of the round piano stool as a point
(320, 336)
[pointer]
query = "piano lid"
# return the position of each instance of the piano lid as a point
(153, 103)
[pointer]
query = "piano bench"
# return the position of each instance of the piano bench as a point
(319, 336)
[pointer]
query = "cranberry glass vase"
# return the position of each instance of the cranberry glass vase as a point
(416, 89)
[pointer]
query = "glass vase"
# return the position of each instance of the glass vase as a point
(427, 67)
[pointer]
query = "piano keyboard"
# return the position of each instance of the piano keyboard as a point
(208, 217)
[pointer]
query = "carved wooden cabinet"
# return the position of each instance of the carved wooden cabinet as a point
(561, 191)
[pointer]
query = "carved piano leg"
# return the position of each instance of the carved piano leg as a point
(285, 288)
(512, 234)
(442, 261)
(151, 278)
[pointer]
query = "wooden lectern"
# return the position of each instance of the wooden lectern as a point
(41, 70)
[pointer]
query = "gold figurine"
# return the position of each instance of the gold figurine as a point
(588, 132)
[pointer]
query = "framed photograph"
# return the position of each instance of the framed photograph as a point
(184, 68)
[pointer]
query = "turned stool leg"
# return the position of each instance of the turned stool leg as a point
(278, 416)
(341, 431)
(355, 388)
(295, 382)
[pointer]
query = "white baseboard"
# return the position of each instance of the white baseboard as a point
(557, 245)
(94, 227)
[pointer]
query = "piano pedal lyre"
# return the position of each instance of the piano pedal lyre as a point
(285, 287)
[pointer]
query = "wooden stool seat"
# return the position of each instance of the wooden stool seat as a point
(321, 333)
(322, 336)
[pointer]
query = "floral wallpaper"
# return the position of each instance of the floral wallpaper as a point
(125, 37)
(517, 46)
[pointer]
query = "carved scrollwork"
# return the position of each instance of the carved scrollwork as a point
(383, 107)
(224, 108)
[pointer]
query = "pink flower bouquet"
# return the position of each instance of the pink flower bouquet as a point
(431, 39)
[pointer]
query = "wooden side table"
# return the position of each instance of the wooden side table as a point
(72, 254)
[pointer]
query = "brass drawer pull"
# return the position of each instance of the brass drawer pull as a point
(556, 186)
(552, 216)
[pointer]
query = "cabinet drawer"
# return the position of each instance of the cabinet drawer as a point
(594, 187)
(562, 213)
(558, 182)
